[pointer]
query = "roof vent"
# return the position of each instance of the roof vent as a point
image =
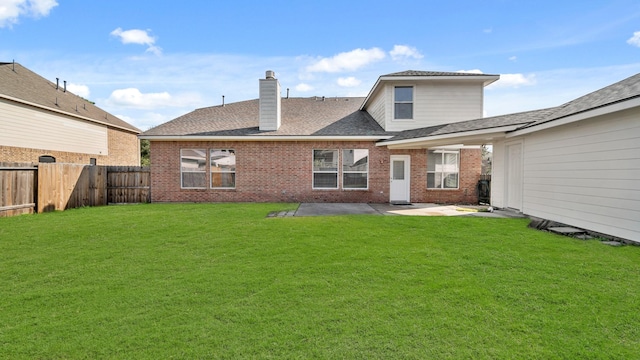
(270, 74)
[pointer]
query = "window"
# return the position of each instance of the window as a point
(442, 169)
(325, 169)
(193, 166)
(355, 169)
(223, 168)
(403, 102)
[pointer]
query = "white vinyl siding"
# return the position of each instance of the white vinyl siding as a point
(587, 174)
(436, 103)
(26, 127)
(377, 108)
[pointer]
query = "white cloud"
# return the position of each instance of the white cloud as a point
(137, 36)
(348, 81)
(474, 71)
(635, 39)
(513, 81)
(80, 90)
(513, 58)
(347, 61)
(132, 97)
(487, 30)
(401, 52)
(302, 87)
(11, 10)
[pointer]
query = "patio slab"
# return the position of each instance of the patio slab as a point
(421, 209)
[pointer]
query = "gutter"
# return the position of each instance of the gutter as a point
(260, 138)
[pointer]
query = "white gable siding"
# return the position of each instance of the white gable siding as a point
(25, 127)
(436, 103)
(377, 107)
(587, 174)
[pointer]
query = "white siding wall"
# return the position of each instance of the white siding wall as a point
(498, 175)
(437, 103)
(26, 127)
(377, 107)
(587, 174)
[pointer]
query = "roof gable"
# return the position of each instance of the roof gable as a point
(21, 84)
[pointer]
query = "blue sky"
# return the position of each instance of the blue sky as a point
(151, 61)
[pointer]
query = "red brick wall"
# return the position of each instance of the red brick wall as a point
(123, 150)
(269, 171)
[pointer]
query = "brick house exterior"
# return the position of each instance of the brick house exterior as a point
(39, 117)
(275, 147)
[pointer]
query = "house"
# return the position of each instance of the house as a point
(577, 164)
(323, 149)
(42, 118)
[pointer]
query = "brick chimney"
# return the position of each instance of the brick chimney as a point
(269, 102)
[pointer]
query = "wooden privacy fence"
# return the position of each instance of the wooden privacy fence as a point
(128, 184)
(18, 185)
(26, 188)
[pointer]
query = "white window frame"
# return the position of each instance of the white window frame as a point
(223, 170)
(182, 171)
(412, 102)
(313, 170)
(366, 172)
(442, 177)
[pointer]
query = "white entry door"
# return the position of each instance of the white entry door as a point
(514, 176)
(400, 175)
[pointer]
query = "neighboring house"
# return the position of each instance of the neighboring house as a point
(321, 149)
(41, 118)
(577, 164)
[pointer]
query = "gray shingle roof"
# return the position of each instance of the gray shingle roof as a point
(521, 118)
(18, 82)
(622, 90)
(300, 117)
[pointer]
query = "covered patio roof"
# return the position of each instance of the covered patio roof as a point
(471, 132)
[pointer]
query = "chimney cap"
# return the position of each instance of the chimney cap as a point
(270, 74)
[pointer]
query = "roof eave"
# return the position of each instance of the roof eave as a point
(264, 138)
(482, 136)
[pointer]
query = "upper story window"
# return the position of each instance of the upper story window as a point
(403, 102)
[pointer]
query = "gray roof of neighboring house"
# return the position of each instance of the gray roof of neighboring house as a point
(312, 116)
(434, 73)
(22, 84)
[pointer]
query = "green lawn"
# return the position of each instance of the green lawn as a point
(223, 281)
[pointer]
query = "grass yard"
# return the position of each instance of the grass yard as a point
(222, 281)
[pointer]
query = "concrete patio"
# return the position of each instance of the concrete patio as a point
(331, 209)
